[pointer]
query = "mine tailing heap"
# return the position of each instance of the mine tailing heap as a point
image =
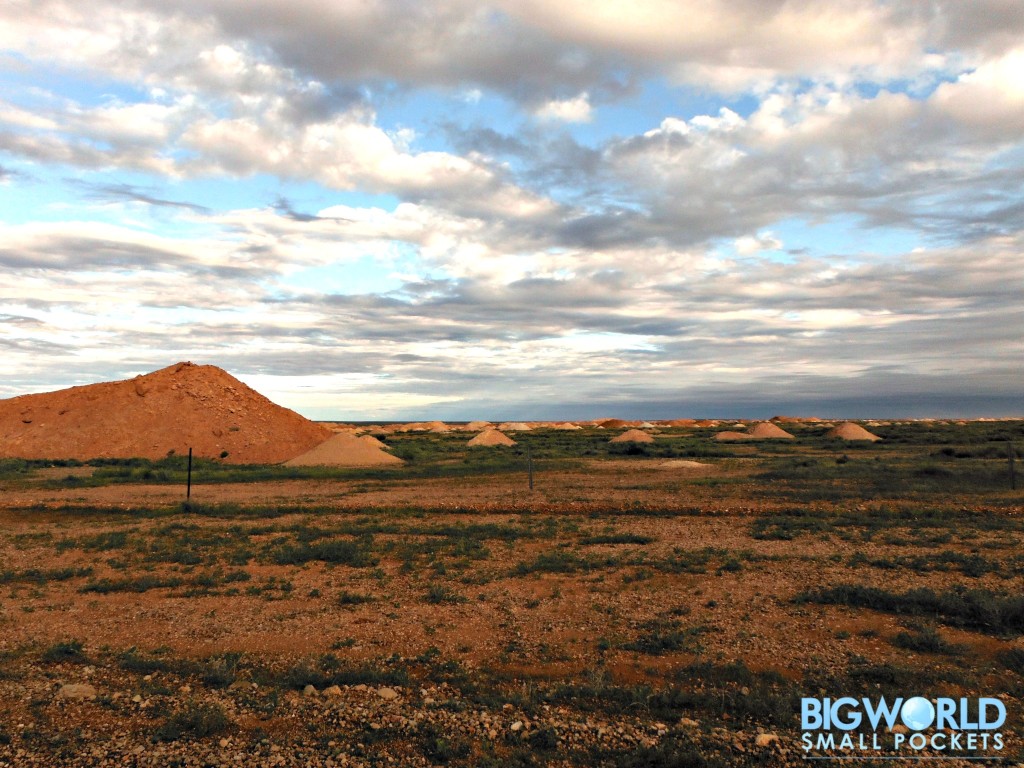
(181, 406)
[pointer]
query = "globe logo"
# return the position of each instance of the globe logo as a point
(917, 713)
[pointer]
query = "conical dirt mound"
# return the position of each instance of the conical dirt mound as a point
(490, 438)
(181, 406)
(730, 436)
(851, 431)
(344, 450)
(632, 436)
(767, 430)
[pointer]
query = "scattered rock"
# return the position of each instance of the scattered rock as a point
(388, 694)
(77, 691)
(766, 739)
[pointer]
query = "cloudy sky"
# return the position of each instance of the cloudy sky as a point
(375, 209)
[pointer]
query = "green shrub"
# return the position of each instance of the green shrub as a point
(438, 593)
(141, 584)
(618, 538)
(353, 598)
(67, 651)
(663, 636)
(979, 609)
(338, 551)
(926, 640)
(194, 720)
(1013, 659)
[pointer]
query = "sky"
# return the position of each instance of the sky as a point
(385, 209)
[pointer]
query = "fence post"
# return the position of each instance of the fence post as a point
(188, 487)
(1013, 470)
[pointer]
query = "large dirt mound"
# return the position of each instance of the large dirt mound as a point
(851, 431)
(763, 431)
(344, 450)
(729, 436)
(632, 436)
(768, 431)
(182, 406)
(514, 426)
(490, 438)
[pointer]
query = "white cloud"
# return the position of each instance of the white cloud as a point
(575, 110)
(529, 260)
(751, 244)
(732, 45)
(990, 99)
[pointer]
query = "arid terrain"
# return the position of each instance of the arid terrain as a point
(659, 603)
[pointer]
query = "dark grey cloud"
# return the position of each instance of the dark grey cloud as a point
(31, 346)
(120, 192)
(486, 141)
(449, 44)
(283, 206)
(23, 321)
(992, 26)
(68, 252)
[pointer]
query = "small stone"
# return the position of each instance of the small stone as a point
(516, 726)
(309, 690)
(686, 722)
(137, 698)
(224, 742)
(77, 691)
(388, 694)
(333, 690)
(766, 739)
